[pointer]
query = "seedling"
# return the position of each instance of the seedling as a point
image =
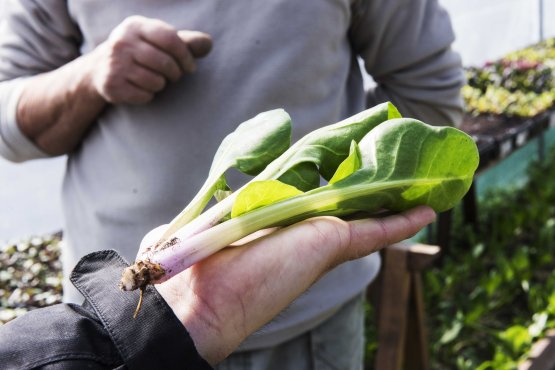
(372, 161)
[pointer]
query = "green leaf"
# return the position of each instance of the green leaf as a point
(539, 321)
(323, 149)
(452, 333)
(328, 146)
(254, 143)
(516, 338)
(304, 176)
(250, 148)
(351, 164)
(405, 163)
(262, 193)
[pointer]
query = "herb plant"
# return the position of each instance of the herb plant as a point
(372, 161)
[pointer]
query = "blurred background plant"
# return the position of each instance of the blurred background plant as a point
(521, 84)
(493, 293)
(30, 275)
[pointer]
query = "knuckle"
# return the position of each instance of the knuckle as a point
(132, 22)
(118, 45)
(153, 81)
(166, 37)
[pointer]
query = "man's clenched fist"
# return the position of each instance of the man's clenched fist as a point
(141, 56)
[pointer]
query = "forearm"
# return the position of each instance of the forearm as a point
(442, 113)
(406, 48)
(56, 108)
(139, 58)
(429, 90)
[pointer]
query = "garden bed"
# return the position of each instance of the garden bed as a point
(30, 275)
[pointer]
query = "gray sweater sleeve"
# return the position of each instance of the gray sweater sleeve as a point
(406, 48)
(36, 36)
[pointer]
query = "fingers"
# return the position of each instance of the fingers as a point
(199, 43)
(145, 79)
(165, 37)
(141, 56)
(368, 236)
(159, 62)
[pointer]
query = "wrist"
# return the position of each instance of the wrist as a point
(56, 108)
(81, 76)
(212, 341)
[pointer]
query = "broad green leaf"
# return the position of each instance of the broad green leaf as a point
(261, 193)
(304, 176)
(405, 163)
(250, 148)
(417, 163)
(351, 164)
(328, 146)
(254, 143)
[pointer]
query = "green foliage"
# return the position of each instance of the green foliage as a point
(500, 101)
(30, 275)
(398, 163)
(494, 293)
(260, 146)
(350, 165)
(521, 84)
(262, 193)
(403, 163)
(249, 148)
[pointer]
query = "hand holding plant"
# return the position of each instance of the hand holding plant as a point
(372, 161)
(229, 295)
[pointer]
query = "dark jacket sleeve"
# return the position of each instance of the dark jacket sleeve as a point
(102, 332)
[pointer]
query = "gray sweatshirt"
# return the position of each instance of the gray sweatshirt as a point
(138, 166)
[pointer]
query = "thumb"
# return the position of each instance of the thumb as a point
(199, 43)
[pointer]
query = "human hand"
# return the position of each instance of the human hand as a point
(141, 56)
(226, 297)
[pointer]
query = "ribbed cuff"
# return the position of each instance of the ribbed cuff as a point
(14, 145)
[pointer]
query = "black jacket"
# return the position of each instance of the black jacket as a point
(101, 333)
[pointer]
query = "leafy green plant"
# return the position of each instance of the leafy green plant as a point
(494, 293)
(521, 84)
(374, 160)
(30, 275)
(501, 101)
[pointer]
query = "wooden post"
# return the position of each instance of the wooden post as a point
(542, 354)
(394, 301)
(402, 338)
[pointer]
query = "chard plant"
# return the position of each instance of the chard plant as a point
(372, 161)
